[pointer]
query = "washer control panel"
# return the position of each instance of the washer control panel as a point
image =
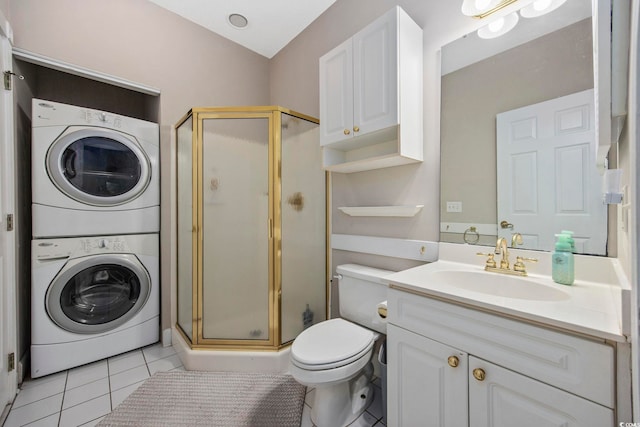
(50, 249)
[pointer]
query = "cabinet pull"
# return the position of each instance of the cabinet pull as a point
(479, 374)
(347, 131)
(356, 129)
(453, 361)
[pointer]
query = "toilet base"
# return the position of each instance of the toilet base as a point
(339, 405)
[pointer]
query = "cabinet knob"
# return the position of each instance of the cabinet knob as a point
(453, 361)
(347, 131)
(479, 374)
(356, 129)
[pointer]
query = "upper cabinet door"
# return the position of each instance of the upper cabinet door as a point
(369, 85)
(336, 94)
(375, 71)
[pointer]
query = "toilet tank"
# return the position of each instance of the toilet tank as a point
(360, 290)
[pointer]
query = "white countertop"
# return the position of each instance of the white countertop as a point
(593, 309)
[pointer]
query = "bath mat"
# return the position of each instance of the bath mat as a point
(196, 398)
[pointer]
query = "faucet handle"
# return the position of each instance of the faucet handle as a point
(491, 262)
(519, 264)
(516, 239)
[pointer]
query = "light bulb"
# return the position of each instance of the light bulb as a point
(482, 4)
(541, 5)
(496, 25)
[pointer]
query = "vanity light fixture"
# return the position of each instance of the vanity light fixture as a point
(238, 21)
(499, 26)
(483, 8)
(504, 24)
(540, 7)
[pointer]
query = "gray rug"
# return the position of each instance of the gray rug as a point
(195, 398)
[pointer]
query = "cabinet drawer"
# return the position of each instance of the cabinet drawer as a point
(578, 365)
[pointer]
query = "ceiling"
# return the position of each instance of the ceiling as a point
(272, 24)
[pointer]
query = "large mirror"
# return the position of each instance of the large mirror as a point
(518, 135)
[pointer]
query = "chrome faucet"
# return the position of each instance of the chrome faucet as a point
(501, 248)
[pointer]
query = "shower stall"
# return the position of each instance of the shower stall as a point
(252, 269)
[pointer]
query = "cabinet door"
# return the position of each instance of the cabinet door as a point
(336, 94)
(506, 399)
(422, 388)
(375, 71)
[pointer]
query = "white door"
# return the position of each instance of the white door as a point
(8, 377)
(503, 398)
(427, 381)
(547, 176)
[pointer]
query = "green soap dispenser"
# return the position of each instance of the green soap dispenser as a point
(562, 267)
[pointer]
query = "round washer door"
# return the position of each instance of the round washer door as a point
(98, 293)
(98, 167)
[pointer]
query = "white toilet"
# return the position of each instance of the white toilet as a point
(334, 356)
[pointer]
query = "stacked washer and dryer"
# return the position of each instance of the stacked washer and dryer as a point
(95, 249)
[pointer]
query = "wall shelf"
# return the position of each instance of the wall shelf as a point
(389, 211)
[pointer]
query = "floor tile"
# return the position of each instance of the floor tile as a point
(92, 422)
(157, 351)
(129, 377)
(306, 417)
(58, 377)
(85, 412)
(165, 364)
(50, 421)
(34, 411)
(126, 361)
(375, 408)
(309, 397)
(39, 391)
(118, 396)
(87, 374)
(365, 420)
(85, 392)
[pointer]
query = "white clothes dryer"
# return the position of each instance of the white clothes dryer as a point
(93, 172)
(91, 298)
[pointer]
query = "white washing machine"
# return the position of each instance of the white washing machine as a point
(91, 298)
(93, 172)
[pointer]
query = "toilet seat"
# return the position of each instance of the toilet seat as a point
(331, 344)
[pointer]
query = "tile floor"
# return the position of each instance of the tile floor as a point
(83, 396)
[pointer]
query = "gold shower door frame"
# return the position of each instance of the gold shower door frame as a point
(273, 224)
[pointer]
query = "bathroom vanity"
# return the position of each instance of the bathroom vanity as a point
(468, 347)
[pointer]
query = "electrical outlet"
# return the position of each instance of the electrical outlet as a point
(454, 206)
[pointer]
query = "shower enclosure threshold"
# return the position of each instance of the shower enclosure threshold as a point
(230, 360)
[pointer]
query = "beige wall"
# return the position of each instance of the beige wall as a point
(141, 42)
(294, 82)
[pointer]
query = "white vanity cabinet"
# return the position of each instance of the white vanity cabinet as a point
(371, 97)
(507, 372)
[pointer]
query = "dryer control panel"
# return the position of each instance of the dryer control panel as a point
(49, 249)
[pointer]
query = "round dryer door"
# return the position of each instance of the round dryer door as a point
(98, 167)
(98, 293)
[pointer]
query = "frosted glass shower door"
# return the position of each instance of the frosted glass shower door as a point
(235, 234)
(304, 274)
(184, 192)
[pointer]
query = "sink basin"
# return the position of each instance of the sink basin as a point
(499, 285)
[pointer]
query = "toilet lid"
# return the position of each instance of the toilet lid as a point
(332, 341)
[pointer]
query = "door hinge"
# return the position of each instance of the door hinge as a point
(7, 79)
(11, 362)
(9, 222)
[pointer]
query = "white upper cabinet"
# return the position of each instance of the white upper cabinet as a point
(371, 97)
